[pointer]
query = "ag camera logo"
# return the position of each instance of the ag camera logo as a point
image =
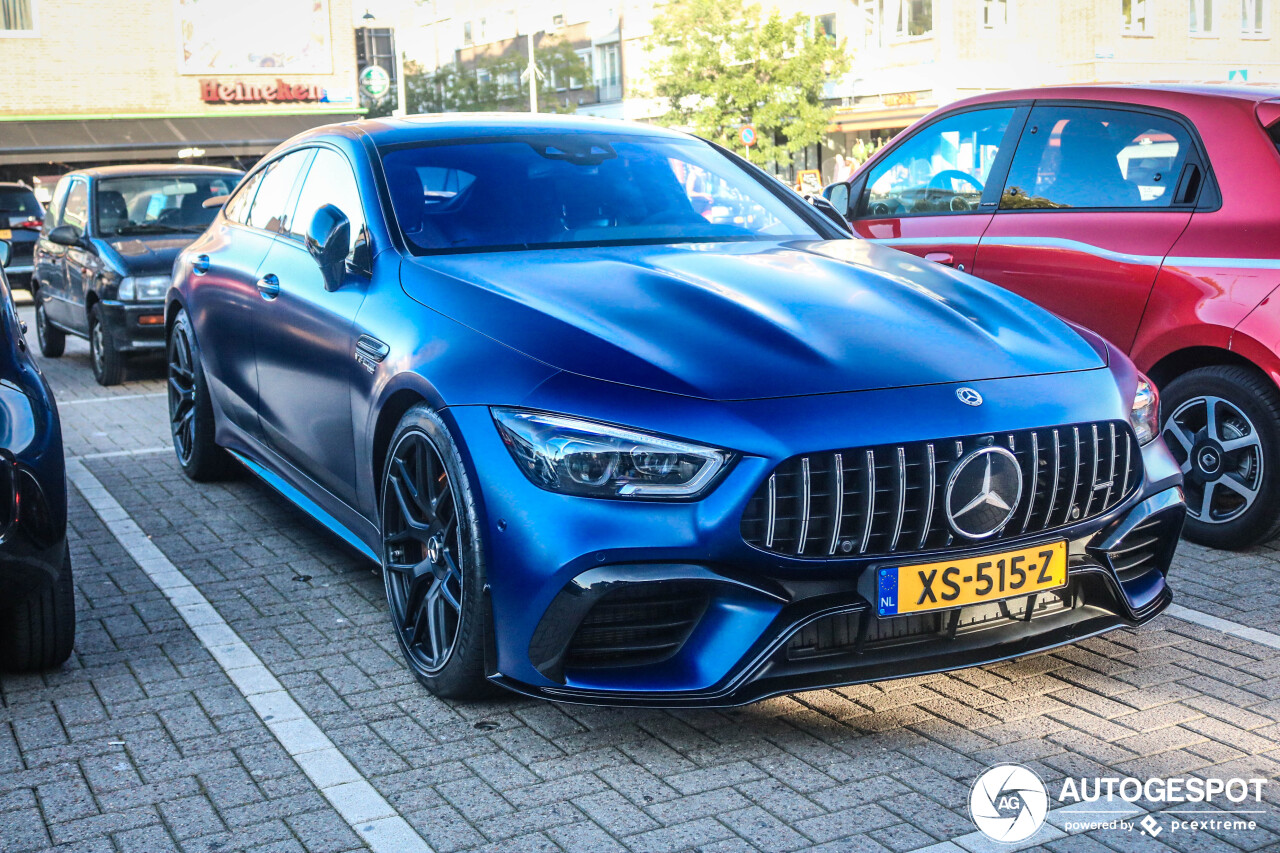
(1008, 803)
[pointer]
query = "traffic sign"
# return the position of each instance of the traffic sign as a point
(748, 135)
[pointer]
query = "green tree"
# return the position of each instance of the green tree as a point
(720, 64)
(495, 83)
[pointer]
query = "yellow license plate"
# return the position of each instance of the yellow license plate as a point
(6, 234)
(970, 580)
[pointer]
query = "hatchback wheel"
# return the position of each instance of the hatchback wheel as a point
(108, 362)
(191, 410)
(39, 631)
(53, 341)
(432, 560)
(1223, 426)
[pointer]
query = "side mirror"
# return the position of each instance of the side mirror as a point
(828, 210)
(6, 251)
(65, 235)
(838, 195)
(328, 241)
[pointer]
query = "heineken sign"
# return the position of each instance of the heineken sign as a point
(241, 92)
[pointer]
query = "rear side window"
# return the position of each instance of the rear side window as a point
(1086, 157)
(943, 169)
(270, 210)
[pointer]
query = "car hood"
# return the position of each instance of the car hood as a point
(732, 321)
(147, 254)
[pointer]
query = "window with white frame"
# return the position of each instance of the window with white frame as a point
(995, 14)
(17, 17)
(609, 72)
(1202, 17)
(1253, 17)
(909, 18)
(585, 56)
(1133, 17)
(467, 37)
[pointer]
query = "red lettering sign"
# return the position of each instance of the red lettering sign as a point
(240, 92)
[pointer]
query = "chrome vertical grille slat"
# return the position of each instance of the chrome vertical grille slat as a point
(871, 501)
(838, 492)
(902, 497)
(839, 499)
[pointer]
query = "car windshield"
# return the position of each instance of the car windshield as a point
(18, 204)
(556, 190)
(158, 203)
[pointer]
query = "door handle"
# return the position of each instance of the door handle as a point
(945, 258)
(269, 287)
(201, 265)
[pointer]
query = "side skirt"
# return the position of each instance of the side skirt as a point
(307, 505)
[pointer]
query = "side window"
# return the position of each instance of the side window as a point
(942, 169)
(76, 210)
(329, 181)
(270, 210)
(1088, 157)
(53, 215)
(237, 207)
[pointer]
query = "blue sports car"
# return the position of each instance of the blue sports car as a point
(624, 420)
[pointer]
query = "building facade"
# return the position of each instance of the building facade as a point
(168, 80)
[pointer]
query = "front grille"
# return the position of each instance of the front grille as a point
(638, 623)
(843, 633)
(876, 501)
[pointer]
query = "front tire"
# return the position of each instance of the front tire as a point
(1222, 425)
(53, 341)
(108, 361)
(433, 559)
(39, 632)
(191, 409)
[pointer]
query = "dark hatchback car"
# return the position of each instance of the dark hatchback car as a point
(103, 261)
(37, 599)
(21, 218)
(609, 448)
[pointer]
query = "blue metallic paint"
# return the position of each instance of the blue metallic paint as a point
(769, 349)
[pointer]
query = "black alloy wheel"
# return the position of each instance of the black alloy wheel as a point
(53, 341)
(431, 562)
(190, 409)
(1222, 425)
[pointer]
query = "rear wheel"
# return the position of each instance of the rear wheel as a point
(190, 409)
(53, 341)
(39, 633)
(108, 361)
(432, 560)
(1222, 424)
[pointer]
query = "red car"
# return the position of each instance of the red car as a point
(1150, 214)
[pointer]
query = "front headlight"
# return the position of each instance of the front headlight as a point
(142, 288)
(578, 457)
(1145, 414)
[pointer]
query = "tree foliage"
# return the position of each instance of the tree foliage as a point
(721, 64)
(495, 83)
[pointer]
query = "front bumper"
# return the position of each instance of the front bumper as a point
(760, 623)
(134, 326)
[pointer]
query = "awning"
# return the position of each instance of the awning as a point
(882, 118)
(143, 139)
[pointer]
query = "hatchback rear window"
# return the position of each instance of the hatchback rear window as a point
(17, 201)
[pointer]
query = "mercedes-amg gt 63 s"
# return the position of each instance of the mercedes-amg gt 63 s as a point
(608, 446)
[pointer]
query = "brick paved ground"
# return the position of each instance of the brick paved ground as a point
(142, 743)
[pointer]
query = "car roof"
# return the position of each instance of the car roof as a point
(1153, 94)
(144, 169)
(444, 126)
(14, 185)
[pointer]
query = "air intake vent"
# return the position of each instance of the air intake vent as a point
(636, 624)
(1142, 549)
(875, 501)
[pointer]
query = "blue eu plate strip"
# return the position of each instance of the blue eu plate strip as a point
(887, 593)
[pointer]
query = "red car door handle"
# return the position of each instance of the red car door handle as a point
(945, 258)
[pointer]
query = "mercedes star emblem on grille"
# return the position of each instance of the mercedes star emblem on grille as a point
(969, 397)
(983, 491)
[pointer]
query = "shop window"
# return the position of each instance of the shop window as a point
(1133, 17)
(1082, 157)
(1202, 17)
(995, 14)
(17, 17)
(1253, 17)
